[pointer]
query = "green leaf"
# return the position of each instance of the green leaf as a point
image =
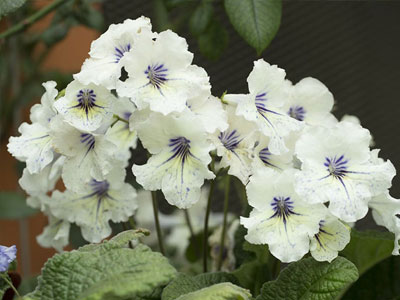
(13, 206)
(213, 41)
(256, 21)
(200, 18)
(90, 17)
(185, 284)
(9, 6)
(55, 33)
(309, 279)
(193, 251)
(109, 270)
(174, 3)
(221, 291)
(254, 263)
(368, 248)
(379, 282)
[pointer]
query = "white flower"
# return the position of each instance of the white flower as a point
(120, 133)
(44, 181)
(280, 218)
(337, 167)
(85, 107)
(97, 204)
(180, 156)
(104, 65)
(161, 75)
(33, 146)
(235, 145)
(386, 212)
(39, 201)
(264, 105)
(310, 101)
(332, 237)
(88, 154)
(262, 157)
(209, 111)
(42, 113)
(356, 120)
(55, 234)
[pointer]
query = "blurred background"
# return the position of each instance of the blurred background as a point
(352, 47)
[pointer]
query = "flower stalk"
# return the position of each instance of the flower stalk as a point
(157, 222)
(6, 279)
(224, 224)
(32, 19)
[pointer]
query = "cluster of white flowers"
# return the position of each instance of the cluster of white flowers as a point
(280, 140)
(310, 173)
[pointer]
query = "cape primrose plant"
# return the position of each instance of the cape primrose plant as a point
(304, 178)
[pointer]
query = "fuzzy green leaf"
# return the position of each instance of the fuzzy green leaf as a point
(221, 291)
(256, 21)
(9, 6)
(311, 280)
(109, 270)
(185, 284)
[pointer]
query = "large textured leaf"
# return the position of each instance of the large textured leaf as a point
(379, 282)
(311, 280)
(368, 248)
(8, 6)
(185, 284)
(221, 291)
(13, 205)
(106, 271)
(256, 21)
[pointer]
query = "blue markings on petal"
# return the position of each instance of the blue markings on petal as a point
(86, 101)
(99, 188)
(180, 148)
(89, 141)
(120, 51)
(264, 155)
(336, 166)
(260, 102)
(230, 139)
(321, 233)
(297, 112)
(157, 75)
(283, 208)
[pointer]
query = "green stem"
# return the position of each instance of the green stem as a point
(5, 277)
(32, 19)
(226, 204)
(118, 118)
(205, 238)
(157, 222)
(189, 223)
(132, 223)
